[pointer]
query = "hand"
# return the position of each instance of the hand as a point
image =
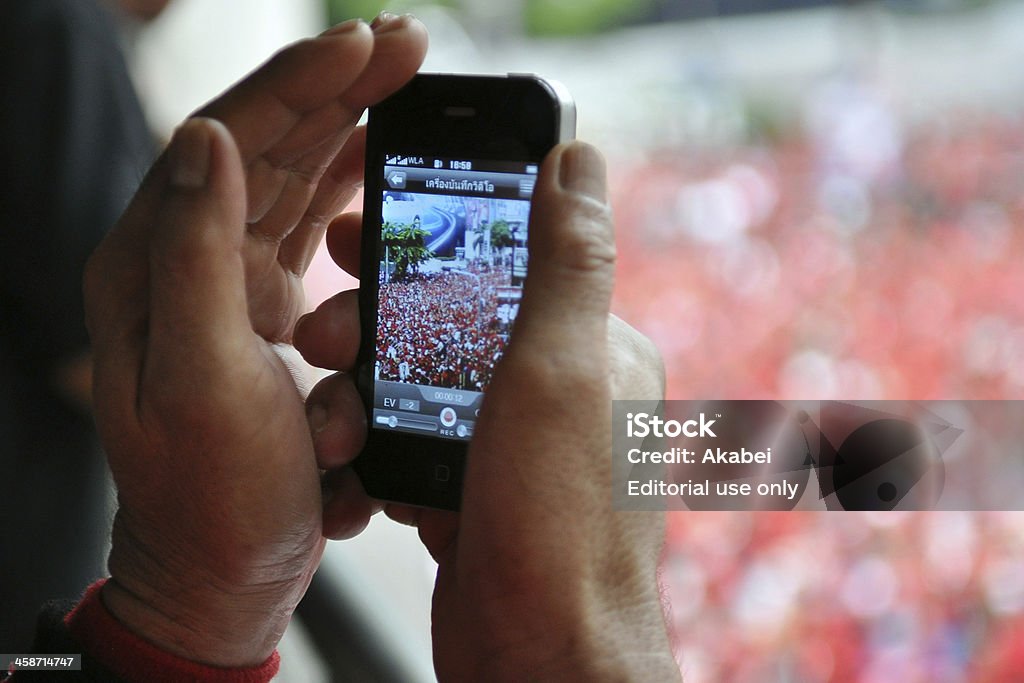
(219, 524)
(538, 578)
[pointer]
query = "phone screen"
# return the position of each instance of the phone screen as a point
(452, 262)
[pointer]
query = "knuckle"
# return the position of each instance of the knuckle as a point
(587, 242)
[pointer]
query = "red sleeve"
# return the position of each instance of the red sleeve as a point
(127, 655)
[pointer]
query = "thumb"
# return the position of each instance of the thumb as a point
(550, 393)
(197, 284)
(572, 254)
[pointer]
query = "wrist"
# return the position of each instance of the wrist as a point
(184, 609)
(216, 636)
(112, 651)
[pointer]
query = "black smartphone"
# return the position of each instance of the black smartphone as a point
(451, 163)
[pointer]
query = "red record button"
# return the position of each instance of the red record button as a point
(448, 417)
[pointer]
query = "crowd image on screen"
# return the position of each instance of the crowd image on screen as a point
(444, 321)
(443, 329)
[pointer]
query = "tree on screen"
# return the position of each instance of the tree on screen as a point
(405, 245)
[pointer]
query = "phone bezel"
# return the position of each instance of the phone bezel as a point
(398, 466)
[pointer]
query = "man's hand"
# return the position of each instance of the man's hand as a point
(538, 577)
(220, 522)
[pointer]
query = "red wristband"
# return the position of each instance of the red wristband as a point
(131, 657)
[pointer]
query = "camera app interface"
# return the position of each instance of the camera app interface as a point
(453, 257)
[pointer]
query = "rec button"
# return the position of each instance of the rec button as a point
(449, 417)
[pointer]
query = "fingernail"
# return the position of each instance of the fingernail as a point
(381, 19)
(344, 27)
(317, 418)
(582, 171)
(392, 23)
(189, 155)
